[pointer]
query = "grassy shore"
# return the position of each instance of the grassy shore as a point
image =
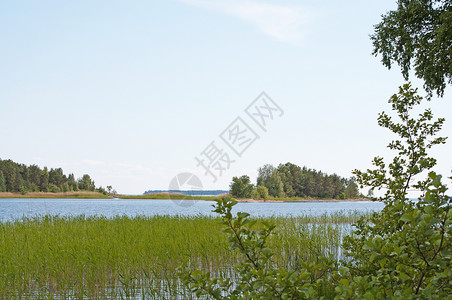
(96, 257)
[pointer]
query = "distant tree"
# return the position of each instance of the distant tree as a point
(34, 176)
(53, 188)
(23, 189)
(18, 181)
(73, 185)
(275, 186)
(291, 176)
(65, 187)
(338, 187)
(109, 188)
(301, 182)
(241, 187)
(418, 33)
(262, 192)
(102, 190)
(352, 189)
(44, 184)
(57, 177)
(20, 178)
(85, 183)
(264, 173)
(2, 182)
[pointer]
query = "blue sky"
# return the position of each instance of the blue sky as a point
(130, 92)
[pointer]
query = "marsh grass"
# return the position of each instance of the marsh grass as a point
(81, 257)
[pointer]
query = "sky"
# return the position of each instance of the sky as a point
(132, 92)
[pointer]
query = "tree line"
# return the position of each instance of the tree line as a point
(289, 180)
(15, 177)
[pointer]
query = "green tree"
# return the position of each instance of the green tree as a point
(57, 177)
(73, 185)
(65, 187)
(18, 181)
(2, 182)
(352, 189)
(404, 251)
(418, 33)
(262, 192)
(19, 177)
(291, 177)
(23, 189)
(101, 190)
(44, 182)
(53, 188)
(275, 186)
(338, 186)
(85, 183)
(34, 175)
(241, 187)
(264, 173)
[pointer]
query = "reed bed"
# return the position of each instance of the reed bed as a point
(52, 257)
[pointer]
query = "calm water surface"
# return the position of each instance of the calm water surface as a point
(11, 209)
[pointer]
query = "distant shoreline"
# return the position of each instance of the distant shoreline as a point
(163, 196)
(299, 200)
(68, 195)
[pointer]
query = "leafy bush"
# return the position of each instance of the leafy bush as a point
(405, 250)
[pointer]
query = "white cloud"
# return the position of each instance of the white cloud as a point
(286, 23)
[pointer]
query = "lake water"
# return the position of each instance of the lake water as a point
(11, 209)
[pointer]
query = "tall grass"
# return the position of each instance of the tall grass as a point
(123, 257)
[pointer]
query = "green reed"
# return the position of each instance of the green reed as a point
(124, 257)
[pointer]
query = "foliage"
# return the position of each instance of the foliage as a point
(257, 276)
(16, 177)
(262, 192)
(351, 191)
(86, 183)
(290, 180)
(2, 182)
(418, 33)
(405, 250)
(271, 179)
(241, 187)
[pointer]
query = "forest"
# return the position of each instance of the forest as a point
(20, 178)
(289, 180)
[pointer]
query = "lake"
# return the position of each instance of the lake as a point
(11, 209)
